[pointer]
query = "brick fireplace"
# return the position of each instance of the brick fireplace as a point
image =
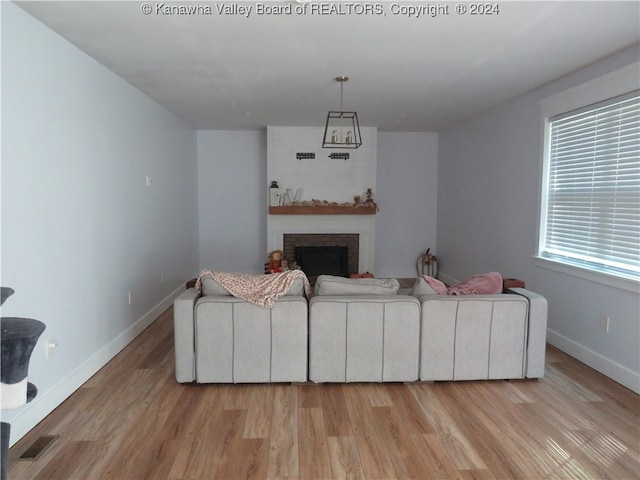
(356, 230)
(349, 240)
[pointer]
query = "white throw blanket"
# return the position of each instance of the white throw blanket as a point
(261, 290)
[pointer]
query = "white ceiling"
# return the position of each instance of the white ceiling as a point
(223, 71)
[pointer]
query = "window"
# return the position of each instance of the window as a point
(591, 188)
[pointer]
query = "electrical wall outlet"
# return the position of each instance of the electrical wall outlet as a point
(130, 297)
(50, 348)
(605, 322)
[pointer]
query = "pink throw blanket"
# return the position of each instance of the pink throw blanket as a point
(484, 283)
(261, 290)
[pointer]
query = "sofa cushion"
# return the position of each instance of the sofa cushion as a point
(296, 288)
(211, 287)
(426, 285)
(332, 285)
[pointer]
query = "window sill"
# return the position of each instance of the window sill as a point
(590, 275)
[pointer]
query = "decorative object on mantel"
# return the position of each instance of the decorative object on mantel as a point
(342, 129)
(368, 197)
(274, 194)
(291, 198)
(339, 156)
(305, 155)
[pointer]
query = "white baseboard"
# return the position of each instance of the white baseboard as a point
(448, 279)
(45, 403)
(604, 365)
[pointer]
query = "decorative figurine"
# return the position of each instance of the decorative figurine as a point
(368, 196)
(275, 261)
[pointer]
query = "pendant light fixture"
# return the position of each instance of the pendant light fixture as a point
(342, 129)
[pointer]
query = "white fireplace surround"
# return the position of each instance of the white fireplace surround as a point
(363, 225)
(324, 178)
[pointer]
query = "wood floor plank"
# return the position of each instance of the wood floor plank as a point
(344, 458)
(130, 394)
(485, 440)
(66, 461)
(596, 450)
(587, 415)
(130, 461)
(310, 396)
(239, 397)
(164, 447)
(462, 452)
(220, 444)
(516, 391)
(378, 395)
(283, 449)
(406, 459)
(247, 461)
(374, 455)
(413, 419)
(478, 474)
(132, 421)
(259, 412)
(571, 387)
(435, 457)
(522, 444)
(312, 444)
(334, 409)
(200, 432)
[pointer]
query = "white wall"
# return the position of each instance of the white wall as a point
(232, 189)
(407, 192)
(489, 184)
(321, 178)
(80, 228)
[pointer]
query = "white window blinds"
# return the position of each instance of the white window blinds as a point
(591, 217)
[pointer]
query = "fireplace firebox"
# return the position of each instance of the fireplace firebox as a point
(322, 260)
(350, 241)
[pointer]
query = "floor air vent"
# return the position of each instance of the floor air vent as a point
(37, 447)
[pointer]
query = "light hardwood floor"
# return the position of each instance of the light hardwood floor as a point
(133, 421)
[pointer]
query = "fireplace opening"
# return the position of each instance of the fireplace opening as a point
(321, 260)
(349, 240)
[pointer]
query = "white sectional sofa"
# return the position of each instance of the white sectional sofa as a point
(358, 330)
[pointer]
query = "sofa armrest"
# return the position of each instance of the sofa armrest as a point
(184, 337)
(537, 334)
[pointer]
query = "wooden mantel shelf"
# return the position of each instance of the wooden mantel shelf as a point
(323, 210)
